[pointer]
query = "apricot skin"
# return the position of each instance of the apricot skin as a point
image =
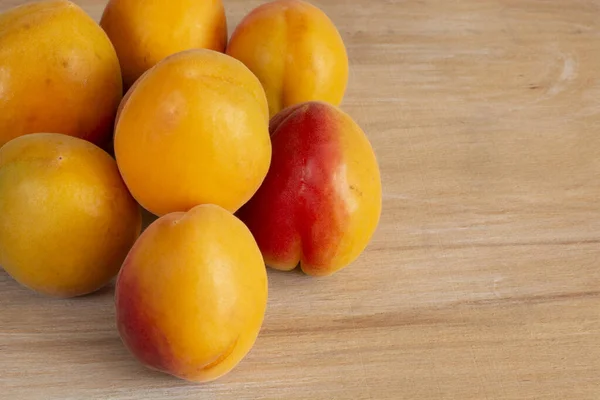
(295, 51)
(145, 32)
(192, 293)
(58, 73)
(194, 130)
(321, 200)
(67, 221)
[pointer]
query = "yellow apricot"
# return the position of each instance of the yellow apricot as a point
(192, 293)
(58, 73)
(145, 32)
(295, 51)
(67, 219)
(194, 130)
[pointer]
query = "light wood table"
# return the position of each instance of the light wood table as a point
(483, 279)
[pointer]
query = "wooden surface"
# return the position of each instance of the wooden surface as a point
(483, 279)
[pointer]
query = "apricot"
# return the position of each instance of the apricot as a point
(296, 52)
(321, 200)
(145, 32)
(191, 295)
(194, 130)
(58, 73)
(67, 220)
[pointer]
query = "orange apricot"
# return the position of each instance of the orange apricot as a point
(145, 32)
(321, 200)
(295, 50)
(191, 296)
(67, 220)
(58, 73)
(194, 130)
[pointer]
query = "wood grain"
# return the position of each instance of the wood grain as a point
(483, 280)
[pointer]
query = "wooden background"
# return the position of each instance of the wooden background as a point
(482, 281)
